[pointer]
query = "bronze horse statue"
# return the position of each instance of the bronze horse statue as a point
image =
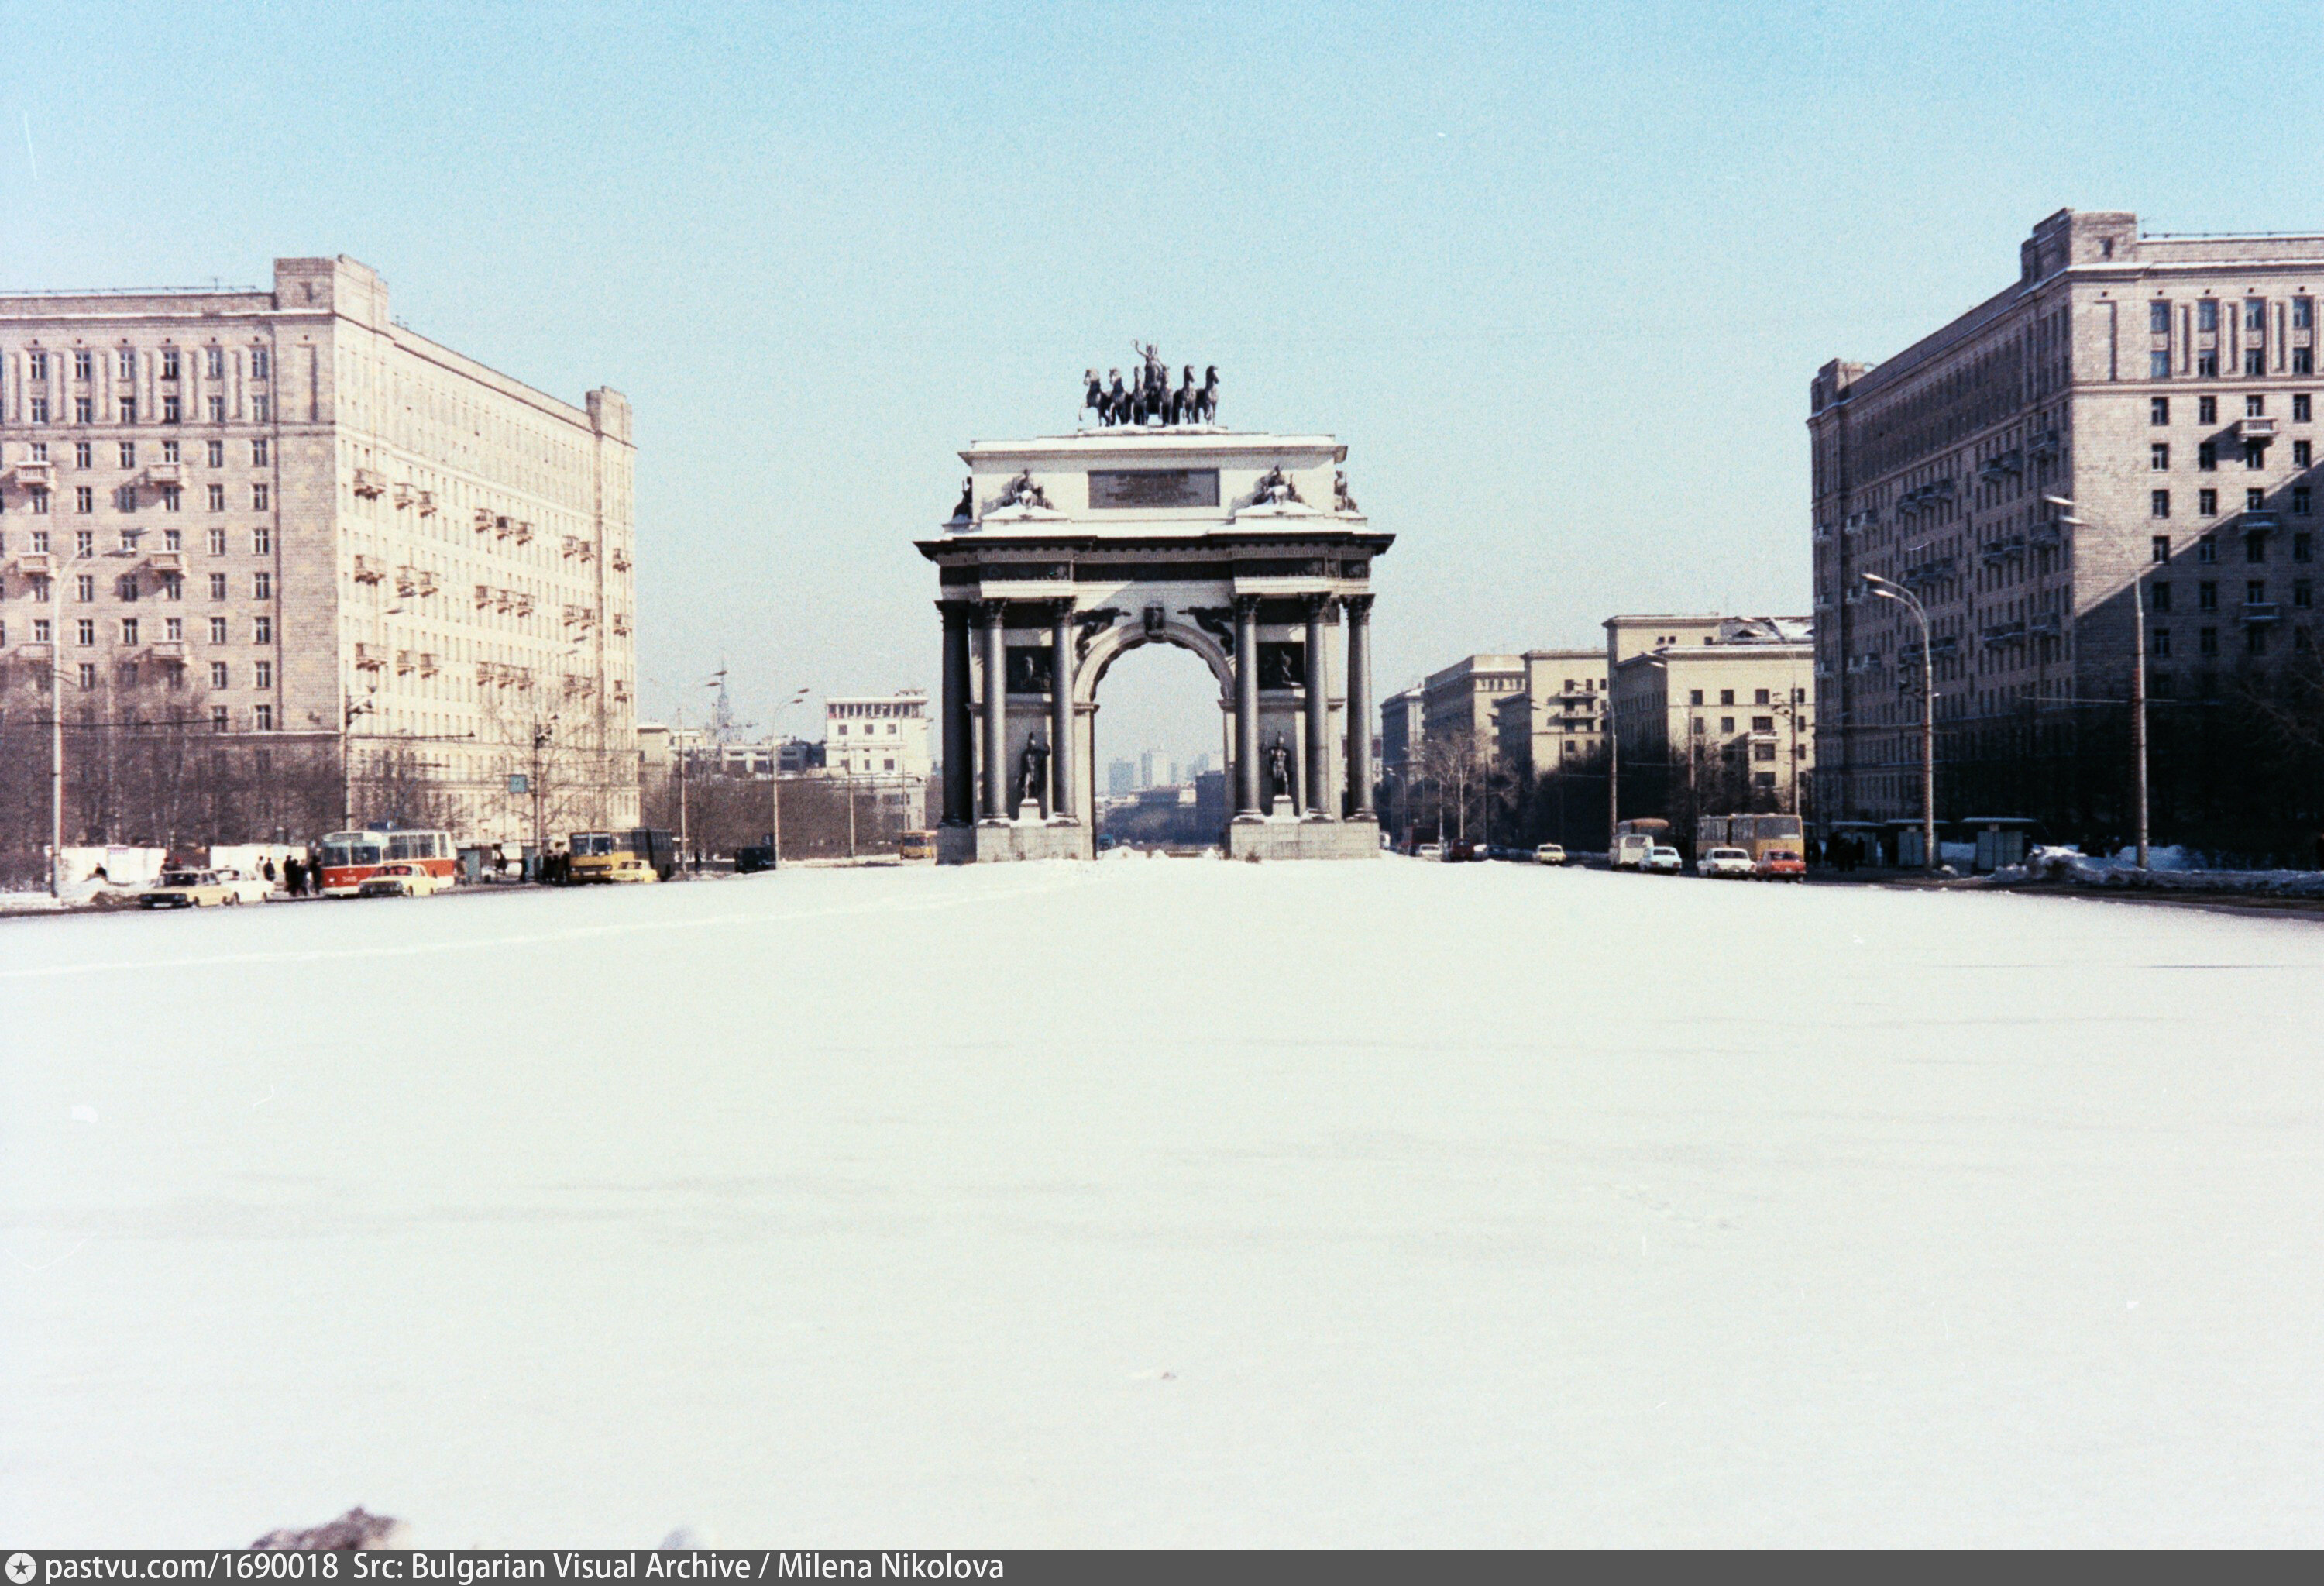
(1147, 397)
(1206, 400)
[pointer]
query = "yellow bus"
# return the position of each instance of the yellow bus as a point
(916, 846)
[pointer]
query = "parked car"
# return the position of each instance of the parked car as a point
(754, 858)
(1781, 864)
(1461, 851)
(1549, 854)
(1429, 851)
(403, 879)
(204, 889)
(1663, 861)
(1717, 863)
(1629, 851)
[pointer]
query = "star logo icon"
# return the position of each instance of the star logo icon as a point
(21, 1568)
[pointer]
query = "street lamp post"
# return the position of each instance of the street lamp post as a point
(1886, 590)
(775, 785)
(2066, 511)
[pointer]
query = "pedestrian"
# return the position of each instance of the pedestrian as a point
(294, 875)
(266, 869)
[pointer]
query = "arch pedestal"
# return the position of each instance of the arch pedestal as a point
(1194, 538)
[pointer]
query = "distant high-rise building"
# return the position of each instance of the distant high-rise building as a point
(1121, 778)
(1154, 769)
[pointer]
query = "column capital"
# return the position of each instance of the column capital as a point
(1359, 606)
(1246, 606)
(955, 612)
(1313, 606)
(990, 613)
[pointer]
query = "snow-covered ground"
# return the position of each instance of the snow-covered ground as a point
(1166, 1202)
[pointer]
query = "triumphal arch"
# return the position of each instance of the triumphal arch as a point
(1156, 526)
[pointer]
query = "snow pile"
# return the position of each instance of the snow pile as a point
(2171, 871)
(1208, 1204)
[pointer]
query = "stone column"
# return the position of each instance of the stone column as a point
(959, 719)
(1246, 796)
(1063, 760)
(1359, 705)
(996, 711)
(1319, 709)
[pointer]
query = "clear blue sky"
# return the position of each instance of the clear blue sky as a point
(1557, 276)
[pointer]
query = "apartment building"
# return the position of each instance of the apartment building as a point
(1461, 701)
(1715, 716)
(883, 735)
(280, 514)
(1557, 717)
(2166, 386)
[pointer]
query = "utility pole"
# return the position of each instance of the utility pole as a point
(1886, 590)
(541, 736)
(2066, 511)
(57, 736)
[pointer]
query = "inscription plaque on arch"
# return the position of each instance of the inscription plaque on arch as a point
(1153, 487)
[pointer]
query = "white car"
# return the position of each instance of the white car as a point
(1429, 851)
(1549, 854)
(1663, 861)
(1716, 862)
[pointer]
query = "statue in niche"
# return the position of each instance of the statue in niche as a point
(1032, 772)
(1278, 769)
(1343, 500)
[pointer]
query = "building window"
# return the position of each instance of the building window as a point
(217, 542)
(262, 586)
(2207, 550)
(1726, 696)
(217, 629)
(84, 542)
(173, 587)
(2158, 457)
(129, 454)
(2206, 502)
(2158, 410)
(2254, 314)
(217, 585)
(259, 497)
(1763, 723)
(2303, 361)
(261, 716)
(2206, 365)
(84, 498)
(85, 629)
(2254, 361)
(2299, 407)
(2158, 367)
(171, 496)
(258, 454)
(217, 498)
(85, 587)
(88, 677)
(217, 674)
(2206, 596)
(2302, 596)
(2303, 548)
(173, 628)
(125, 587)
(214, 362)
(2255, 640)
(214, 453)
(217, 718)
(40, 410)
(2256, 406)
(2206, 314)
(2158, 316)
(1694, 696)
(2158, 504)
(2254, 501)
(2158, 598)
(170, 410)
(261, 630)
(2207, 641)
(129, 410)
(1727, 723)
(2255, 592)
(262, 542)
(217, 410)
(2161, 547)
(2300, 454)
(81, 453)
(2207, 410)
(39, 365)
(260, 363)
(2207, 455)
(261, 407)
(84, 410)
(262, 675)
(2255, 548)
(129, 630)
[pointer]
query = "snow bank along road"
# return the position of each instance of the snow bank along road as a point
(1166, 1202)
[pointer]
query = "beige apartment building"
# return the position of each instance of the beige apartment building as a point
(1558, 716)
(2166, 386)
(283, 514)
(1712, 715)
(1464, 698)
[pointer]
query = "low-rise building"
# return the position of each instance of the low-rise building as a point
(882, 735)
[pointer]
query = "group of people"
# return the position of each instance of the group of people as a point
(300, 878)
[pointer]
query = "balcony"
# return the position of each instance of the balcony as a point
(1995, 469)
(620, 561)
(427, 663)
(2046, 625)
(368, 660)
(404, 495)
(621, 622)
(2046, 537)
(485, 520)
(425, 500)
(522, 605)
(576, 684)
(2000, 550)
(404, 663)
(2259, 430)
(484, 595)
(370, 481)
(2044, 445)
(2259, 522)
(522, 532)
(32, 475)
(580, 616)
(2257, 612)
(167, 474)
(165, 561)
(2002, 633)
(168, 651)
(367, 572)
(577, 547)
(38, 651)
(35, 564)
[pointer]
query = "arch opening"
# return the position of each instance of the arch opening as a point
(1158, 736)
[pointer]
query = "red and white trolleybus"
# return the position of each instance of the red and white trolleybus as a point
(351, 858)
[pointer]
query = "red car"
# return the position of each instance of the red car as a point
(1458, 852)
(1781, 864)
